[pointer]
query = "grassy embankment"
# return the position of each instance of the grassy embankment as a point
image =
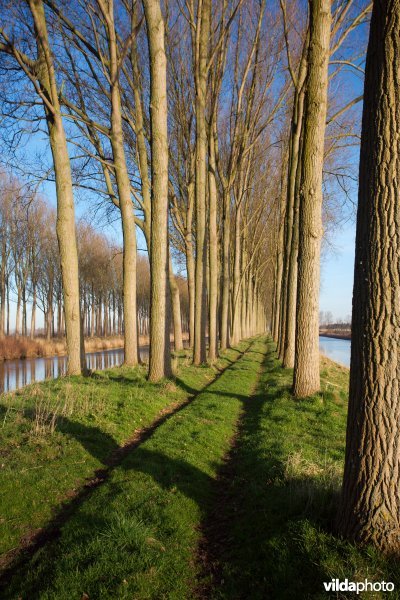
(263, 516)
(341, 334)
(280, 491)
(55, 434)
(135, 535)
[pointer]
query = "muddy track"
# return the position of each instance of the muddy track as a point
(15, 559)
(215, 528)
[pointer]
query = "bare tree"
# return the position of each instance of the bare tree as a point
(160, 352)
(41, 72)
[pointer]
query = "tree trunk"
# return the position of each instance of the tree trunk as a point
(213, 254)
(176, 308)
(3, 288)
(306, 368)
(226, 270)
(200, 67)
(370, 503)
(125, 200)
(18, 313)
(291, 293)
(279, 263)
(66, 233)
(33, 314)
(190, 266)
(160, 350)
(24, 315)
(8, 304)
(236, 300)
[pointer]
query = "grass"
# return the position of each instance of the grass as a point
(135, 537)
(188, 513)
(55, 434)
(281, 498)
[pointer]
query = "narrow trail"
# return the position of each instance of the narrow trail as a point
(15, 559)
(215, 530)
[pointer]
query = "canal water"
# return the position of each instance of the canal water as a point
(335, 349)
(15, 374)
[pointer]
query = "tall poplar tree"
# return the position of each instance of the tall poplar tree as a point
(306, 366)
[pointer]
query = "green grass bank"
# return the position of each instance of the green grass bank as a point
(233, 496)
(55, 435)
(136, 535)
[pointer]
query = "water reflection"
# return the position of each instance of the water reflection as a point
(15, 374)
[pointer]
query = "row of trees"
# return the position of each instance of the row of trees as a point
(369, 507)
(224, 169)
(99, 74)
(30, 274)
(314, 142)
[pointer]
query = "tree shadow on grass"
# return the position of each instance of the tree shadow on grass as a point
(262, 536)
(260, 526)
(114, 528)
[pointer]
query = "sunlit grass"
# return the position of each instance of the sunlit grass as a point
(55, 434)
(136, 536)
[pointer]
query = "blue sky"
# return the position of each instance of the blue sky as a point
(337, 274)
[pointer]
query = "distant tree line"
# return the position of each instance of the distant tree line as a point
(30, 275)
(327, 321)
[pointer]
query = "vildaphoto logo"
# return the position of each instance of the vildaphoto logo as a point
(358, 586)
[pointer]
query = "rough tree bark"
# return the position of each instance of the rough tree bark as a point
(370, 503)
(306, 367)
(160, 351)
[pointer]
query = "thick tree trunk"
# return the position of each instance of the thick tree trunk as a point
(190, 268)
(160, 350)
(24, 315)
(65, 227)
(201, 70)
(306, 368)
(370, 502)
(8, 305)
(243, 322)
